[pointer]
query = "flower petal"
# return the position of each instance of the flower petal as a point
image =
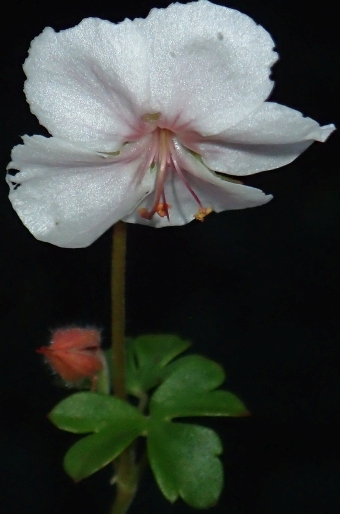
(209, 65)
(67, 195)
(89, 84)
(214, 192)
(269, 138)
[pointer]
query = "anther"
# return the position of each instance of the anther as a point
(202, 213)
(162, 209)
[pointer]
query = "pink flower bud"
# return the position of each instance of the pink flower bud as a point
(74, 353)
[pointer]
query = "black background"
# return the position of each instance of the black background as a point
(257, 290)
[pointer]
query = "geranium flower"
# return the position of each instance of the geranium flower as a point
(149, 118)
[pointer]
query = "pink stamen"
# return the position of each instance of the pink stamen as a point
(187, 185)
(162, 154)
(166, 206)
(162, 151)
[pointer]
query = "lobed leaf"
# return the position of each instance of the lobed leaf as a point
(147, 358)
(91, 412)
(95, 451)
(184, 461)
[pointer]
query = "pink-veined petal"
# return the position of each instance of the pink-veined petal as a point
(209, 65)
(68, 196)
(269, 138)
(90, 83)
(213, 192)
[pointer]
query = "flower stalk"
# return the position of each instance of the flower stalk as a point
(118, 308)
(126, 476)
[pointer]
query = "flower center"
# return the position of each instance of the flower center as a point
(163, 158)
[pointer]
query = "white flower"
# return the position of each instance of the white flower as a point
(143, 114)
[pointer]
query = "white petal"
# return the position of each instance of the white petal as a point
(69, 196)
(89, 84)
(269, 138)
(273, 123)
(214, 192)
(209, 65)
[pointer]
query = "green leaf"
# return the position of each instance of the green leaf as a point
(184, 461)
(184, 457)
(216, 403)
(116, 424)
(187, 391)
(158, 349)
(192, 372)
(147, 358)
(91, 412)
(95, 451)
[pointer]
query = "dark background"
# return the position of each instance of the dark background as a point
(257, 290)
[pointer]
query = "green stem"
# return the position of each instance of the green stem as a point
(127, 491)
(126, 470)
(122, 502)
(102, 384)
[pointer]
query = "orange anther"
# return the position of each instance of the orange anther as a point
(144, 213)
(162, 209)
(202, 213)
